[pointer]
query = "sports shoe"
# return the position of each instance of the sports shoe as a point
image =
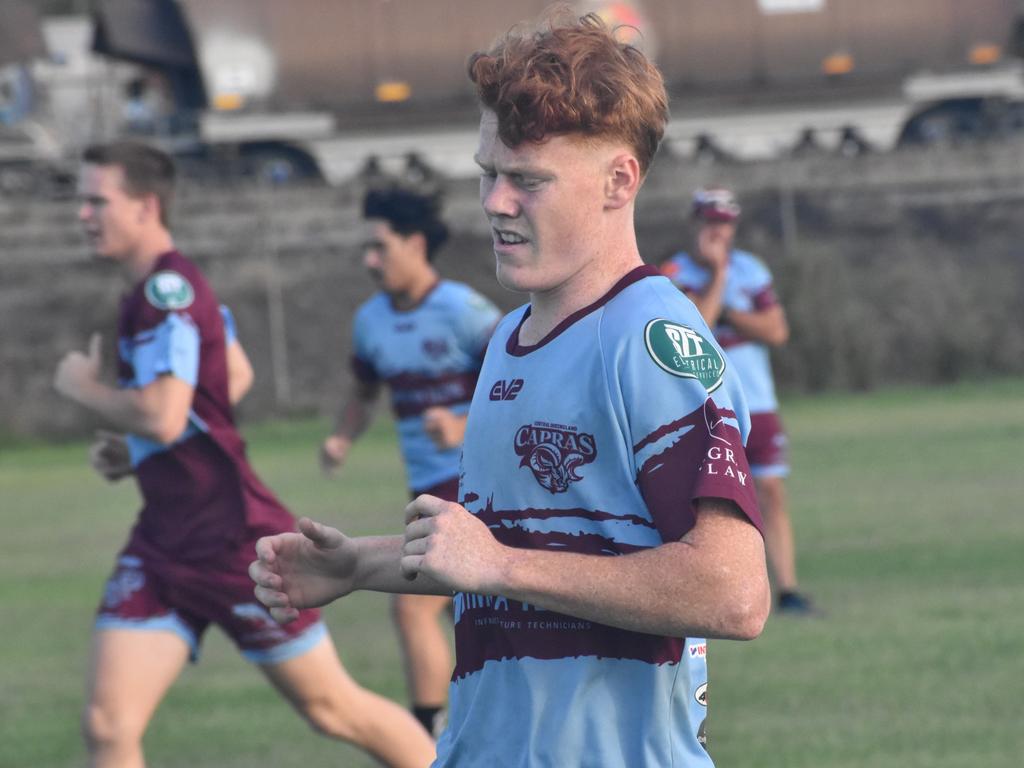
(796, 604)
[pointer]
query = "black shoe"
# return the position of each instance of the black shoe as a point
(796, 604)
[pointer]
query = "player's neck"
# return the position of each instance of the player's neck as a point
(416, 291)
(150, 248)
(586, 286)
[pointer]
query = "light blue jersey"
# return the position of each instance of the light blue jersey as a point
(748, 288)
(428, 356)
(598, 440)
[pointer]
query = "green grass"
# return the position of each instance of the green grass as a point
(907, 507)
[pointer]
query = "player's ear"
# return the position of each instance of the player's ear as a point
(622, 181)
(419, 241)
(150, 209)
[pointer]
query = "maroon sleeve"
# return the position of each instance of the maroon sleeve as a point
(363, 370)
(707, 460)
(765, 298)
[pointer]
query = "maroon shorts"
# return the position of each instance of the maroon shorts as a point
(448, 490)
(149, 592)
(767, 449)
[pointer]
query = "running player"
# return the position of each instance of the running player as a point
(424, 338)
(184, 565)
(733, 291)
(608, 522)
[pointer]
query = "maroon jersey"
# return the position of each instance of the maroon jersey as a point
(200, 495)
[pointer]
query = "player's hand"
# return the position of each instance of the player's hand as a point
(450, 545)
(333, 453)
(109, 455)
(77, 370)
(445, 428)
(303, 570)
(714, 248)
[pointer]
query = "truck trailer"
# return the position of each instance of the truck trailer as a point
(311, 89)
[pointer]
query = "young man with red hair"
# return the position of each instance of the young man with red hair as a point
(607, 521)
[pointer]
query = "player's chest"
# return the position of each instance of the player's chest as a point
(549, 419)
(401, 344)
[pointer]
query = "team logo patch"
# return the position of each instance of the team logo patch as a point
(169, 290)
(701, 694)
(260, 626)
(554, 453)
(683, 352)
(122, 585)
(435, 349)
(253, 613)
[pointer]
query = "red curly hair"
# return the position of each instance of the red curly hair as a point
(572, 78)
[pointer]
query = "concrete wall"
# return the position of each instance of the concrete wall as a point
(893, 268)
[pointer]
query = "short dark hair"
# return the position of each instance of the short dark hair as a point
(572, 77)
(408, 212)
(147, 170)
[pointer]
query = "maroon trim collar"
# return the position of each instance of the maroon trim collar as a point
(513, 347)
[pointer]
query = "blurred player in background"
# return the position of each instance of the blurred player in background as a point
(733, 291)
(424, 338)
(607, 521)
(110, 454)
(184, 565)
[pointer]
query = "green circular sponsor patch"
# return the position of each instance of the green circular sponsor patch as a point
(681, 351)
(169, 290)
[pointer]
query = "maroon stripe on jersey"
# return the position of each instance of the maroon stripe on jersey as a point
(727, 337)
(765, 298)
(491, 516)
(503, 524)
(447, 490)
(691, 419)
(493, 629)
(513, 347)
(559, 541)
(412, 394)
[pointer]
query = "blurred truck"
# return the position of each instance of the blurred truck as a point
(311, 89)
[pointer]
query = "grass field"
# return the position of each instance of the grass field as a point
(908, 509)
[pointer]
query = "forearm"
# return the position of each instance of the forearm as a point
(631, 591)
(709, 301)
(711, 583)
(766, 326)
(130, 410)
(238, 388)
(240, 373)
(354, 418)
(379, 569)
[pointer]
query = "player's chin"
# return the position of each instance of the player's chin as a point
(516, 277)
